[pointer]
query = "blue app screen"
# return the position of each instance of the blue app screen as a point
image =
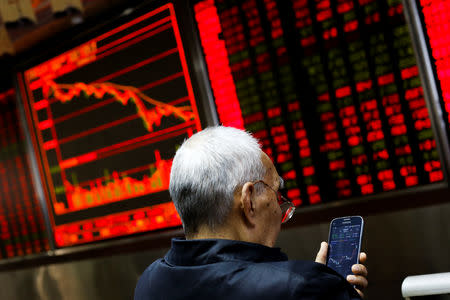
(344, 248)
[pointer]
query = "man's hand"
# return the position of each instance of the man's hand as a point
(321, 257)
(359, 279)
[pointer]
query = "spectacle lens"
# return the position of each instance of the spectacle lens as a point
(287, 211)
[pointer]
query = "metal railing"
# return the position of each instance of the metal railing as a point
(425, 285)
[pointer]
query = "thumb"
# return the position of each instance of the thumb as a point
(321, 257)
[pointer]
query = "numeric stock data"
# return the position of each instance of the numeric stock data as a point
(22, 225)
(331, 89)
(107, 118)
(435, 19)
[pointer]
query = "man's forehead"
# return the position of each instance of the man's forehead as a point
(267, 162)
(271, 171)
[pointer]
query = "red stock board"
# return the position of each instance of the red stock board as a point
(22, 225)
(331, 89)
(435, 18)
(107, 117)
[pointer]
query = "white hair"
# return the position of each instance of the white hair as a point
(206, 171)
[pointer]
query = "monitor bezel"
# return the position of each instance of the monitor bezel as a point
(90, 29)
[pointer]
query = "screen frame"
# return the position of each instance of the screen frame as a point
(90, 29)
(351, 220)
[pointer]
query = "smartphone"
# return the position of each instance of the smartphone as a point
(344, 244)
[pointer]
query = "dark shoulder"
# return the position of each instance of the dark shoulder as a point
(142, 290)
(243, 280)
(309, 280)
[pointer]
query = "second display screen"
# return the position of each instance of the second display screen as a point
(331, 89)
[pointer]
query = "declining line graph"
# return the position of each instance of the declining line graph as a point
(344, 246)
(122, 94)
(105, 191)
(344, 259)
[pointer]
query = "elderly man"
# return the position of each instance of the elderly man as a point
(226, 191)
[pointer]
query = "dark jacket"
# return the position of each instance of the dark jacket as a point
(224, 269)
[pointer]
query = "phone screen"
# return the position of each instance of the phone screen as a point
(344, 244)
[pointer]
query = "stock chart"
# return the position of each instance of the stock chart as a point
(330, 88)
(22, 226)
(344, 248)
(107, 117)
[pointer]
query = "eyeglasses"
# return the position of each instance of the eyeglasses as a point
(287, 207)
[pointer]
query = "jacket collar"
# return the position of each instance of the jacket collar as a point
(206, 251)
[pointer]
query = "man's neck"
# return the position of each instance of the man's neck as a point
(205, 233)
(226, 233)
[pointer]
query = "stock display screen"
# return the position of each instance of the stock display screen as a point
(22, 226)
(344, 248)
(107, 117)
(331, 89)
(435, 20)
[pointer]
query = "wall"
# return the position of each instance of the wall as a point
(408, 242)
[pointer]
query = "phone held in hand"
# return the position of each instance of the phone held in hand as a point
(344, 244)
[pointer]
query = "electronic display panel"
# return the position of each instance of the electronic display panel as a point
(331, 89)
(436, 28)
(344, 248)
(107, 117)
(22, 225)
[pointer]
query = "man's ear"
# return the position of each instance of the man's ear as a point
(247, 203)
